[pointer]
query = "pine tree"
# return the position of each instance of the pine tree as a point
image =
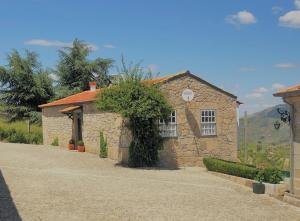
(76, 71)
(24, 85)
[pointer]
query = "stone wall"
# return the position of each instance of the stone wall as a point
(296, 128)
(113, 128)
(297, 146)
(56, 124)
(188, 148)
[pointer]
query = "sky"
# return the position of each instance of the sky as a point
(248, 48)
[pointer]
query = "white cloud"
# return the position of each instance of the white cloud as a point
(257, 93)
(241, 18)
(276, 10)
(290, 19)
(297, 4)
(261, 90)
(47, 43)
(247, 69)
(254, 95)
(277, 86)
(285, 65)
(109, 46)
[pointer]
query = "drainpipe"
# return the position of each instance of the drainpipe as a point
(292, 152)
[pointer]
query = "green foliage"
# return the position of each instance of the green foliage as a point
(55, 142)
(142, 104)
(17, 132)
(260, 127)
(266, 155)
(103, 146)
(231, 168)
(80, 143)
(71, 141)
(76, 71)
(24, 85)
(269, 175)
(63, 91)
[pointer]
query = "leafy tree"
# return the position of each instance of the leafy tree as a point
(76, 71)
(24, 85)
(143, 105)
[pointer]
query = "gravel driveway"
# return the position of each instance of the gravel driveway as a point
(49, 183)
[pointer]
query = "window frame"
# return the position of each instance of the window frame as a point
(208, 123)
(166, 133)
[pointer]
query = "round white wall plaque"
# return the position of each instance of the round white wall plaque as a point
(187, 95)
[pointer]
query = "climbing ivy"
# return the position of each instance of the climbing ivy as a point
(142, 104)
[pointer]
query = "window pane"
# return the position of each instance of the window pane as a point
(169, 129)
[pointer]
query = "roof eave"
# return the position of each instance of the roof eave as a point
(188, 73)
(71, 103)
(287, 94)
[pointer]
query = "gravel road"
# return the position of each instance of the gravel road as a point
(49, 183)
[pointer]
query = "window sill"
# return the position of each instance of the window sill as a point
(208, 136)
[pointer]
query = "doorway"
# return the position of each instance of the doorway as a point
(77, 127)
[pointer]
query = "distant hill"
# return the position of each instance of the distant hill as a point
(261, 127)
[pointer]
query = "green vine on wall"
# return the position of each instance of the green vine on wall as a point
(143, 104)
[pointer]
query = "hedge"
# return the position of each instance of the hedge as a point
(231, 168)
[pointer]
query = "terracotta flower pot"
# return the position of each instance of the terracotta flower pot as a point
(71, 146)
(81, 148)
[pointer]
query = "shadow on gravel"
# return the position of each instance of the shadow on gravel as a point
(8, 210)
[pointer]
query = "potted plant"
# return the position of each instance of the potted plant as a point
(71, 145)
(80, 146)
(259, 187)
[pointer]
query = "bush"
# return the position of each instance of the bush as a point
(17, 137)
(103, 146)
(80, 143)
(142, 105)
(269, 175)
(55, 142)
(3, 134)
(231, 168)
(17, 132)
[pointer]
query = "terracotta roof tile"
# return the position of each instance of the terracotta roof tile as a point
(88, 96)
(84, 96)
(288, 90)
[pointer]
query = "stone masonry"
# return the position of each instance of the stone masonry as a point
(296, 132)
(187, 149)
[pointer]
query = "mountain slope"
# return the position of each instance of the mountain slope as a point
(261, 127)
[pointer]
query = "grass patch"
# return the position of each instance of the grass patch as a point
(17, 132)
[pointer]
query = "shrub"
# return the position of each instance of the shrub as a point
(231, 168)
(3, 134)
(80, 143)
(36, 138)
(17, 137)
(142, 105)
(103, 146)
(55, 142)
(269, 175)
(71, 141)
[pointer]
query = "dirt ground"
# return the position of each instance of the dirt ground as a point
(50, 183)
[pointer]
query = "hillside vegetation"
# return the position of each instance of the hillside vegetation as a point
(266, 146)
(261, 127)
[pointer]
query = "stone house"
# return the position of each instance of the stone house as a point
(204, 122)
(291, 96)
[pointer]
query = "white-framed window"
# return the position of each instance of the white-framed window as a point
(208, 123)
(168, 129)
